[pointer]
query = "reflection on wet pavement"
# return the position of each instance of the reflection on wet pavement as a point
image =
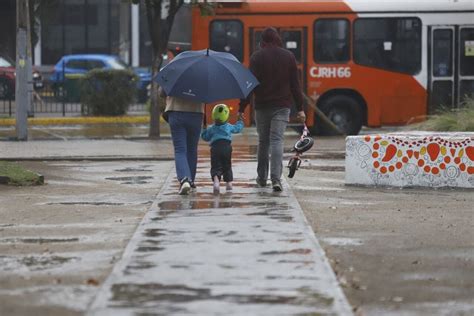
(245, 252)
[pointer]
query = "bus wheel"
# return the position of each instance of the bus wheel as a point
(344, 112)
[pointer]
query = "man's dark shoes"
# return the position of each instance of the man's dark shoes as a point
(276, 185)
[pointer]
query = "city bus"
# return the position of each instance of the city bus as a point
(362, 63)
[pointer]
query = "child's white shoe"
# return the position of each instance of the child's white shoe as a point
(216, 185)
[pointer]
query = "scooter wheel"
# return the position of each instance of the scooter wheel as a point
(304, 144)
(292, 166)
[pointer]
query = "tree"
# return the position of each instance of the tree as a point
(160, 18)
(40, 10)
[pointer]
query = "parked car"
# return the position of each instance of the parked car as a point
(74, 66)
(8, 77)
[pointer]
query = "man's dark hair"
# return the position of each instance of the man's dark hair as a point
(270, 37)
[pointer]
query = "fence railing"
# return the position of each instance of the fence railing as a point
(52, 98)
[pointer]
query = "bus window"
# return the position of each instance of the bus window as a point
(226, 36)
(291, 40)
(388, 43)
(256, 39)
(331, 41)
(442, 53)
(466, 56)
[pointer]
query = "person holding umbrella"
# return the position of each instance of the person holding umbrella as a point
(275, 69)
(189, 80)
(185, 118)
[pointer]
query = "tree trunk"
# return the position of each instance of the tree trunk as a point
(160, 16)
(155, 111)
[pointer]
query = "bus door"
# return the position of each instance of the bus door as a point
(294, 39)
(466, 63)
(451, 74)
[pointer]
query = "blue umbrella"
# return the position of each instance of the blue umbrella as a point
(206, 76)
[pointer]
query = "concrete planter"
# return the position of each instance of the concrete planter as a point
(411, 159)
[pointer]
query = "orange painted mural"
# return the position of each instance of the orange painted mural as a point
(419, 159)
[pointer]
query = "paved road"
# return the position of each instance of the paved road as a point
(394, 251)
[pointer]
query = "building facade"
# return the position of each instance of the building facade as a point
(85, 27)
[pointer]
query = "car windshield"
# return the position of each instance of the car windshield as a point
(117, 64)
(5, 63)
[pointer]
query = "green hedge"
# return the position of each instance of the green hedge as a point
(108, 92)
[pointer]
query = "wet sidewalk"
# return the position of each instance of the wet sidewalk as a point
(245, 252)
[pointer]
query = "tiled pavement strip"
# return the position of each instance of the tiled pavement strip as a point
(248, 252)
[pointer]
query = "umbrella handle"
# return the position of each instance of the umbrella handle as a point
(204, 121)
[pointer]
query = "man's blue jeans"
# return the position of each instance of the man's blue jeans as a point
(271, 125)
(185, 132)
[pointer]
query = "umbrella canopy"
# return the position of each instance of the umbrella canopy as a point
(206, 76)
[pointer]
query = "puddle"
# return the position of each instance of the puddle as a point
(240, 241)
(154, 232)
(38, 240)
(131, 169)
(86, 203)
(137, 295)
(72, 298)
(218, 203)
(324, 168)
(299, 251)
(341, 241)
(179, 266)
(316, 188)
(33, 263)
(140, 266)
(292, 241)
(149, 249)
(152, 241)
(304, 262)
(278, 216)
(132, 179)
(152, 294)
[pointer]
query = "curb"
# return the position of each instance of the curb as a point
(6, 180)
(89, 158)
(80, 120)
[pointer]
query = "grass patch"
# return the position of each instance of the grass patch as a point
(14, 174)
(451, 120)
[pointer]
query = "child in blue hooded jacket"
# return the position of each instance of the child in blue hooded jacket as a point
(219, 136)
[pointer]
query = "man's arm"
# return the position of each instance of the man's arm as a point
(295, 86)
(296, 91)
(254, 69)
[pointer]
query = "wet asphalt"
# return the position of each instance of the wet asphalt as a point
(245, 252)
